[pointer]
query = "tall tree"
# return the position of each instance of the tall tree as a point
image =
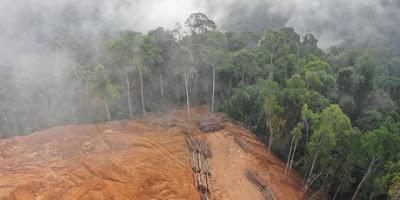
(273, 110)
(200, 23)
(125, 52)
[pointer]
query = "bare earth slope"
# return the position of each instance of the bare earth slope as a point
(142, 159)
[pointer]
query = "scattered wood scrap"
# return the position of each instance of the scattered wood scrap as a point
(211, 124)
(254, 178)
(201, 170)
(242, 144)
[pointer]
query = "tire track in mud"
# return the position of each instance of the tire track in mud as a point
(157, 146)
(135, 142)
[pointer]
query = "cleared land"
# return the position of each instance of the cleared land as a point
(141, 159)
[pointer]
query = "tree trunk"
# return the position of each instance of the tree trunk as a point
(364, 178)
(7, 124)
(371, 196)
(187, 93)
(141, 90)
(87, 102)
(107, 110)
(128, 86)
(394, 91)
(73, 113)
(271, 135)
(213, 89)
(289, 156)
(307, 132)
(73, 105)
(314, 160)
(292, 158)
(161, 87)
(271, 58)
(337, 191)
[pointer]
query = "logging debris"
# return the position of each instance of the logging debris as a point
(242, 144)
(254, 178)
(197, 145)
(201, 170)
(211, 124)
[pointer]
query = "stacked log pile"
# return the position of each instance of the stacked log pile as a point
(242, 144)
(201, 170)
(254, 178)
(211, 124)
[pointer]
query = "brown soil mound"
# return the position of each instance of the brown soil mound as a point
(142, 159)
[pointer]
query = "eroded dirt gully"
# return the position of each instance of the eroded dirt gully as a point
(139, 159)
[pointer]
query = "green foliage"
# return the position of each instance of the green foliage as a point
(199, 23)
(274, 83)
(366, 67)
(331, 124)
(394, 187)
(150, 52)
(348, 80)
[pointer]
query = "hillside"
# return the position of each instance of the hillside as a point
(140, 159)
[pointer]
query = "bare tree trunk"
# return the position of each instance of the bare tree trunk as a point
(73, 113)
(307, 132)
(394, 91)
(213, 89)
(294, 151)
(271, 58)
(128, 85)
(7, 123)
(141, 90)
(271, 135)
(322, 140)
(313, 163)
(73, 105)
(187, 93)
(371, 196)
(337, 191)
(87, 102)
(161, 87)
(364, 178)
(289, 157)
(107, 110)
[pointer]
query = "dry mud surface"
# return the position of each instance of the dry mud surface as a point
(139, 159)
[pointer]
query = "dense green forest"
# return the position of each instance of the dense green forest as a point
(331, 114)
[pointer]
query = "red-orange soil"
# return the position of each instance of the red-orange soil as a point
(140, 159)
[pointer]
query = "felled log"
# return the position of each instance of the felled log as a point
(198, 146)
(204, 149)
(205, 196)
(211, 124)
(203, 164)
(242, 144)
(254, 178)
(195, 162)
(201, 182)
(195, 179)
